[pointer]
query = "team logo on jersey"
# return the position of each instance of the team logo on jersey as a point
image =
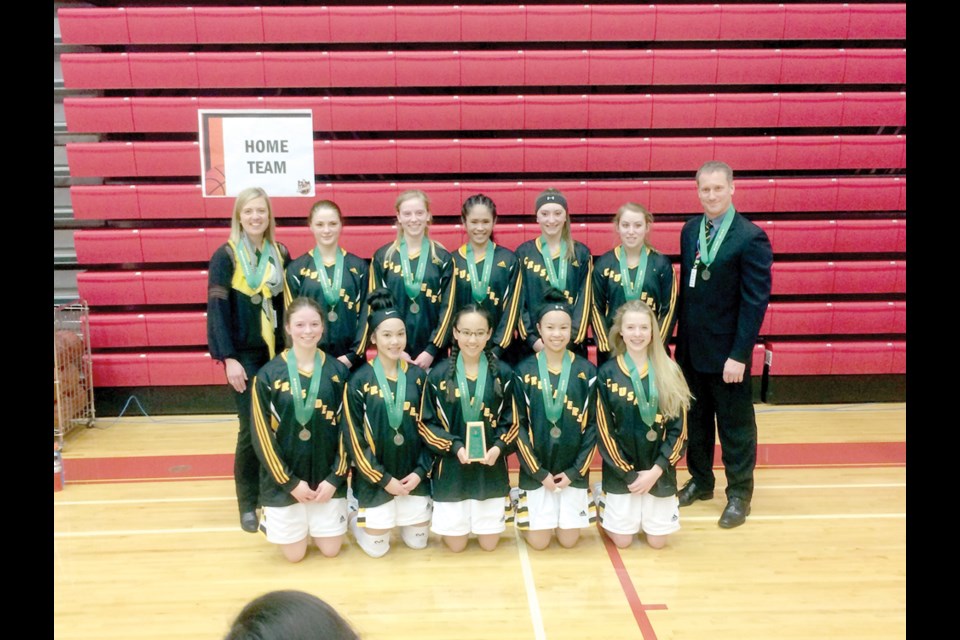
(582, 375)
(502, 264)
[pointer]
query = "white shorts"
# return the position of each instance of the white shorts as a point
(399, 512)
(471, 516)
(627, 513)
(286, 525)
(569, 508)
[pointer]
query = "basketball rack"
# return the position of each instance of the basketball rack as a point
(72, 369)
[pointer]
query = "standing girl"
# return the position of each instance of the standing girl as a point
(471, 391)
(391, 462)
(336, 279)
(642, 402)
(297, 401)
(555, 260)
(419, 273)
(557, 439)
(634, 270)
(245, 290)
(486, 273)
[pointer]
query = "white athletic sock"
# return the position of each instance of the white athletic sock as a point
(373, 546)
(415, 537)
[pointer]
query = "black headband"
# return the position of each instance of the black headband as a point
(380, 315)
(545, 198)
(553, 306)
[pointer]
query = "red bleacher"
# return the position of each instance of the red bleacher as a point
(388, 24)
(806, 101)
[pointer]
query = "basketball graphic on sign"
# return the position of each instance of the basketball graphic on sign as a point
(216, 181)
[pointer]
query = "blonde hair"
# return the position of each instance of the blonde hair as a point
(565, 234)
(635, 208)
(672, 387)
(243, 199)
(410, 194)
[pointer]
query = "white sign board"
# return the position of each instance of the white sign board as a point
(267, 148)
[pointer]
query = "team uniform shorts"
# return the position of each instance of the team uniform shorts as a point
(461, 518)
(286, 525)
(628, 513)
(567, 508)
(399, 512)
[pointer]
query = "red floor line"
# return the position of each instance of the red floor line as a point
(193, 466)
(626, 583)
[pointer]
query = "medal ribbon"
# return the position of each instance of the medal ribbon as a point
(331, 289)
(479, 286)
(254, 278)
(304, 407)
(557, 280)
(554, 407)
(632, 290)
(708, 253)
(412, 282)
(471, 407)
(394, 402)
(647, 406)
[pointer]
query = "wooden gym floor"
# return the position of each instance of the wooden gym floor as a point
(147, 545)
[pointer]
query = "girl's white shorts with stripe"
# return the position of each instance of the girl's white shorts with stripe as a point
(568, 508)
(399, 512)
(628, 513)
(286, 525)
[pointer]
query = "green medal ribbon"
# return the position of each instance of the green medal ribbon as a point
(471, 407)
(394, 402)
(304, 406)
(647, 406)
(557, 281)
(632, 289)
(553, 407)
(412, 282)
(479, 286)
(708, 253)
(254, 278)
(331, 289)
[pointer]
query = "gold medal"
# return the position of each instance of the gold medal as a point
(332, 316)
(398, 439)
(304, 434)
(256, 298)
(651, 435)
(555, 432)
(414, 307)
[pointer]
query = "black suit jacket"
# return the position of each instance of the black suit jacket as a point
(720, 318)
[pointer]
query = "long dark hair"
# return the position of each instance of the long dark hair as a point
(492, 362)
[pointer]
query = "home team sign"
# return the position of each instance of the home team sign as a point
(267, 148)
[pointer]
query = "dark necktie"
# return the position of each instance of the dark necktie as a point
(709, 231)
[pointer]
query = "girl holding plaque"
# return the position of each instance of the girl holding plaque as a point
(558, 437)
(297, 400)
(487, 274)
(642, 402)
(391, 462)
(633, 270)
(419, 273)
(555, 259)
(337, 280)
(468, 419)
(245, 293)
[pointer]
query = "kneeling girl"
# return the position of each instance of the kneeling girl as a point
(382, 405)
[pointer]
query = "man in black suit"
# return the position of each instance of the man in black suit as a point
(725, 278)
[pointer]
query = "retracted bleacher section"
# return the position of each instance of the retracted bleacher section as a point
(608, 102)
